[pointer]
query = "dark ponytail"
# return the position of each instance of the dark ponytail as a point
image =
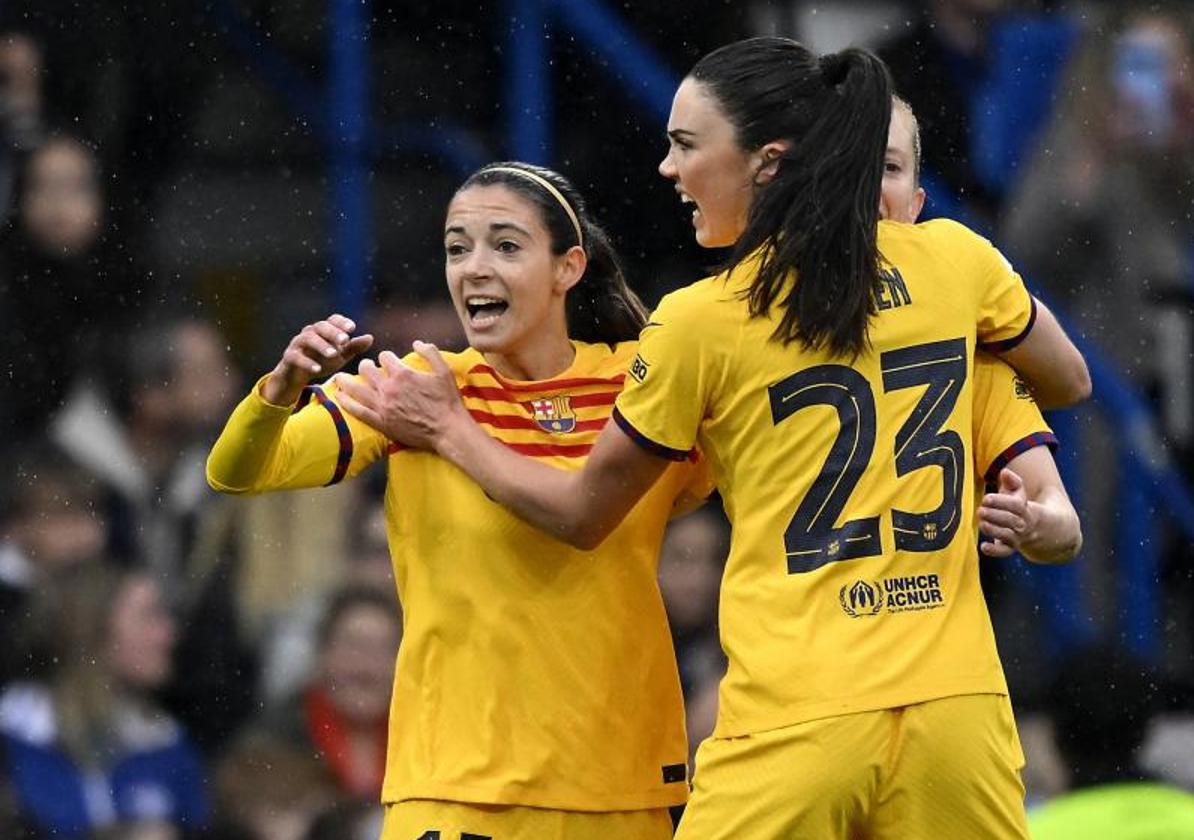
(601, 307)
(819, 216)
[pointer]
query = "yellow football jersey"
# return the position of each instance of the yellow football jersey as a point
(530, 673)
(1007, 421)
(850, 585)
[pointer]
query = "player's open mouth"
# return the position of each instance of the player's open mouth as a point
(685, 198)
(484, 310)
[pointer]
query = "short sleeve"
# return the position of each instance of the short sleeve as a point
(1007, 310)
(1007, 421)
(666, 393)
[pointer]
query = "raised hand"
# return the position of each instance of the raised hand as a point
(320, 349)
(1006, 516)
(409, 406)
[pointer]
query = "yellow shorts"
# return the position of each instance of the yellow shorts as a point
(947, 768)
(426, 819)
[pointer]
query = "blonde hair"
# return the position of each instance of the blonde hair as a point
(70, 626)
(900, 102)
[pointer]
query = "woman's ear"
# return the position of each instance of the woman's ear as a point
(768, 158)
(570, 267)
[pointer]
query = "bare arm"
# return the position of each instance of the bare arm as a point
(1050, 363)
(1031, 512)
(424, 410)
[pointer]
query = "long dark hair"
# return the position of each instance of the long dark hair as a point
(601, 307)
(819, 215)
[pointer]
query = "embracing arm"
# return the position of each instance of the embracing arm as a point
(1031, 512)
(424, 410)
(1050, 363)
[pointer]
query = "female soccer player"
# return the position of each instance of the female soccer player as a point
(826, 375)
(536, 693)
(1030, 511)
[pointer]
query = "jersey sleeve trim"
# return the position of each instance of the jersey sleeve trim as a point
(342, 431)
(645, 442)
(1019, 448)
(1009, 343)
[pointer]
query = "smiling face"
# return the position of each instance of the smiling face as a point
(506, 284)
(902, 197)
(709, 168)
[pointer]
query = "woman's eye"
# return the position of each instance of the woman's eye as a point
(507, 247)
(454, 249)
(891, 167)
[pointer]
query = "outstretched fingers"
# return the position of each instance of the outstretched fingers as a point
(360, 400)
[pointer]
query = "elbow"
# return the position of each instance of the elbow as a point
(585, 535)
(1071, 549)
(1082, 386)
(214, 482)
(1070, 391)
(584, 530)
(1078, 386)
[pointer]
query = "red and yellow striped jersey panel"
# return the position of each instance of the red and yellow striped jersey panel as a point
(557, 418)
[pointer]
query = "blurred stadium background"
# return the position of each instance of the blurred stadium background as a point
(186, 182)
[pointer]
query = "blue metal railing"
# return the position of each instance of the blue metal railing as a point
(528, 82)
(634, 66)
(348, 101)
(340, 116)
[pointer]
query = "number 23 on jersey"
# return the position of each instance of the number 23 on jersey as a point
(811, 539)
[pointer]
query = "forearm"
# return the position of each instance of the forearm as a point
(1057, 534)
(271, 447)
(546, 497)
(579, 507)
(243, 451)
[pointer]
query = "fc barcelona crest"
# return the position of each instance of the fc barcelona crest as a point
(554, 415)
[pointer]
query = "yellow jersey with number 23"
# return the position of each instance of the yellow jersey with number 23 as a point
(852, 581)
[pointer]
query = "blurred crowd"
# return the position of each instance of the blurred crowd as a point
(176, 664)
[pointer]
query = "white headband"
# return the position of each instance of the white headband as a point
(547, 185)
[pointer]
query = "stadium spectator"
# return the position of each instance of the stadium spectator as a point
(87, 746)
(145, 437)
(1102, 702)
(341, 714)
(690, 566)
(348, 821)
(1101, 218)
(290, 644)
(21, 99)
(62, 300)
(266, 789)
(52, 523)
